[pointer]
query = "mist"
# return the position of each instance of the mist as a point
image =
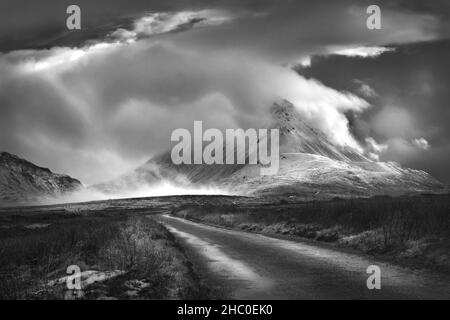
(143, 190)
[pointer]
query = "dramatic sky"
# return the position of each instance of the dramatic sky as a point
(96, 102)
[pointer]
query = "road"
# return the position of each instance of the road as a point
(253, 266)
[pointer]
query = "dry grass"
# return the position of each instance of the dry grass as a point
(153, 264)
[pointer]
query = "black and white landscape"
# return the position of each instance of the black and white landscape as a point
(88, 181)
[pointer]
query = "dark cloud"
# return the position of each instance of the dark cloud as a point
(411, 102)
(281, 25)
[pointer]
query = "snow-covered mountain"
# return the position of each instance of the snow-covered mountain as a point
(22, 181)
(310, 167)
(296, 136)
(315, 176)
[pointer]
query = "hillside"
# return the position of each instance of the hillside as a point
(22, 181)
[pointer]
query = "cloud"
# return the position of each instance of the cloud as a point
(421, 143)
(363, 52)
(153, 24)
(393, 121)
(285, 30)
(293, 30)
(374, 149)
(305, 62)
(365, 90)
(97, 111)
(397, 146)
(142, 190)
(411, 102)
(403, 150)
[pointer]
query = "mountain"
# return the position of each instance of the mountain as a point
(296, 136)
(313, 176)
(22, 181)
(311, 167)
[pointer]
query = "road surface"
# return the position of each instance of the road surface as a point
(252, 266)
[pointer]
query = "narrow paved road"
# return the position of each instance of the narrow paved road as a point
(252, 266)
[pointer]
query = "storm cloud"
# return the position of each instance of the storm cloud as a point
(98, 102)
(407, 88)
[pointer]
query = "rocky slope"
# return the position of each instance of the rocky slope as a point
(22, 181)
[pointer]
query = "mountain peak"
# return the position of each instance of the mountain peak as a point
(297, 136)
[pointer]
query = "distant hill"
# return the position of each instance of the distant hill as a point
(22, 181)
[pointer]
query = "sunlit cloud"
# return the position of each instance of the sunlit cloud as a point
(375, 149)
(363, 52)
(164, 22)
(61, 58)
(421, 143)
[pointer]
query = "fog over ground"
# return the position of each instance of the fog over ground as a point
(98, 102)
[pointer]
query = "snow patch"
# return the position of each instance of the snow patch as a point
(89, 277)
